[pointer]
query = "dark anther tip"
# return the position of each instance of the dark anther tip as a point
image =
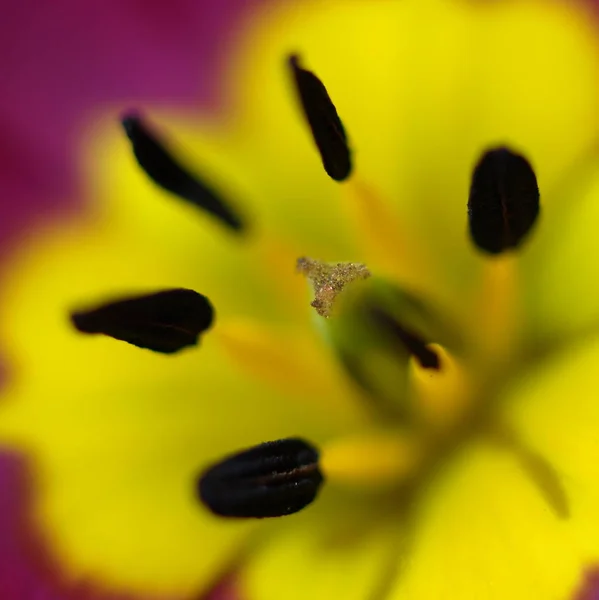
(504, 201)
(164, 170)
(130, 122)
(294, 61)
(166, 321)
(326, 126)
(407, 339)
(270, 480)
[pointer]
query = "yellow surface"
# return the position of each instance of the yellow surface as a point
(371, 460)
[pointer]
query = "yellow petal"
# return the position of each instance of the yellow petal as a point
(554, 412)
(559, 267)
(488, 526)
(332, 551)
(484, 531)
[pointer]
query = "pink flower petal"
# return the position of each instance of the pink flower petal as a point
(61, 59)
(590, 586)
(27, 570)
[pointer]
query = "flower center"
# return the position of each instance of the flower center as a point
(329, 280)
(422, 389)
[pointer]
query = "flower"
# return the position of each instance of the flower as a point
(447, 400)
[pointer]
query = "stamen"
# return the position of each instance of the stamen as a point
(497, 309)
(413, 343)
(329, 280)
(384, 240)
(270, 480)
(373, 460)
(327, 129)
(442, 397)
(164, 170)
(302, 368)
(504, 201)
(166, 321)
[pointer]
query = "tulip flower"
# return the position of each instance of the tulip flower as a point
(341, 340)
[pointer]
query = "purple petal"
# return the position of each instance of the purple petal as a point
(590, 586)
(27, 570)
(227, 589)
(62, 59)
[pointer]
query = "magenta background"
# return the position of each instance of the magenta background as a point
(59, 59)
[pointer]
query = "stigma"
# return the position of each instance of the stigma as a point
(329, 280)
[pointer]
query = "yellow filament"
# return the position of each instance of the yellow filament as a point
(376, 459)
(385, 243)
(295, 364)
(441, 397)
(496, 310)
(278, 259)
